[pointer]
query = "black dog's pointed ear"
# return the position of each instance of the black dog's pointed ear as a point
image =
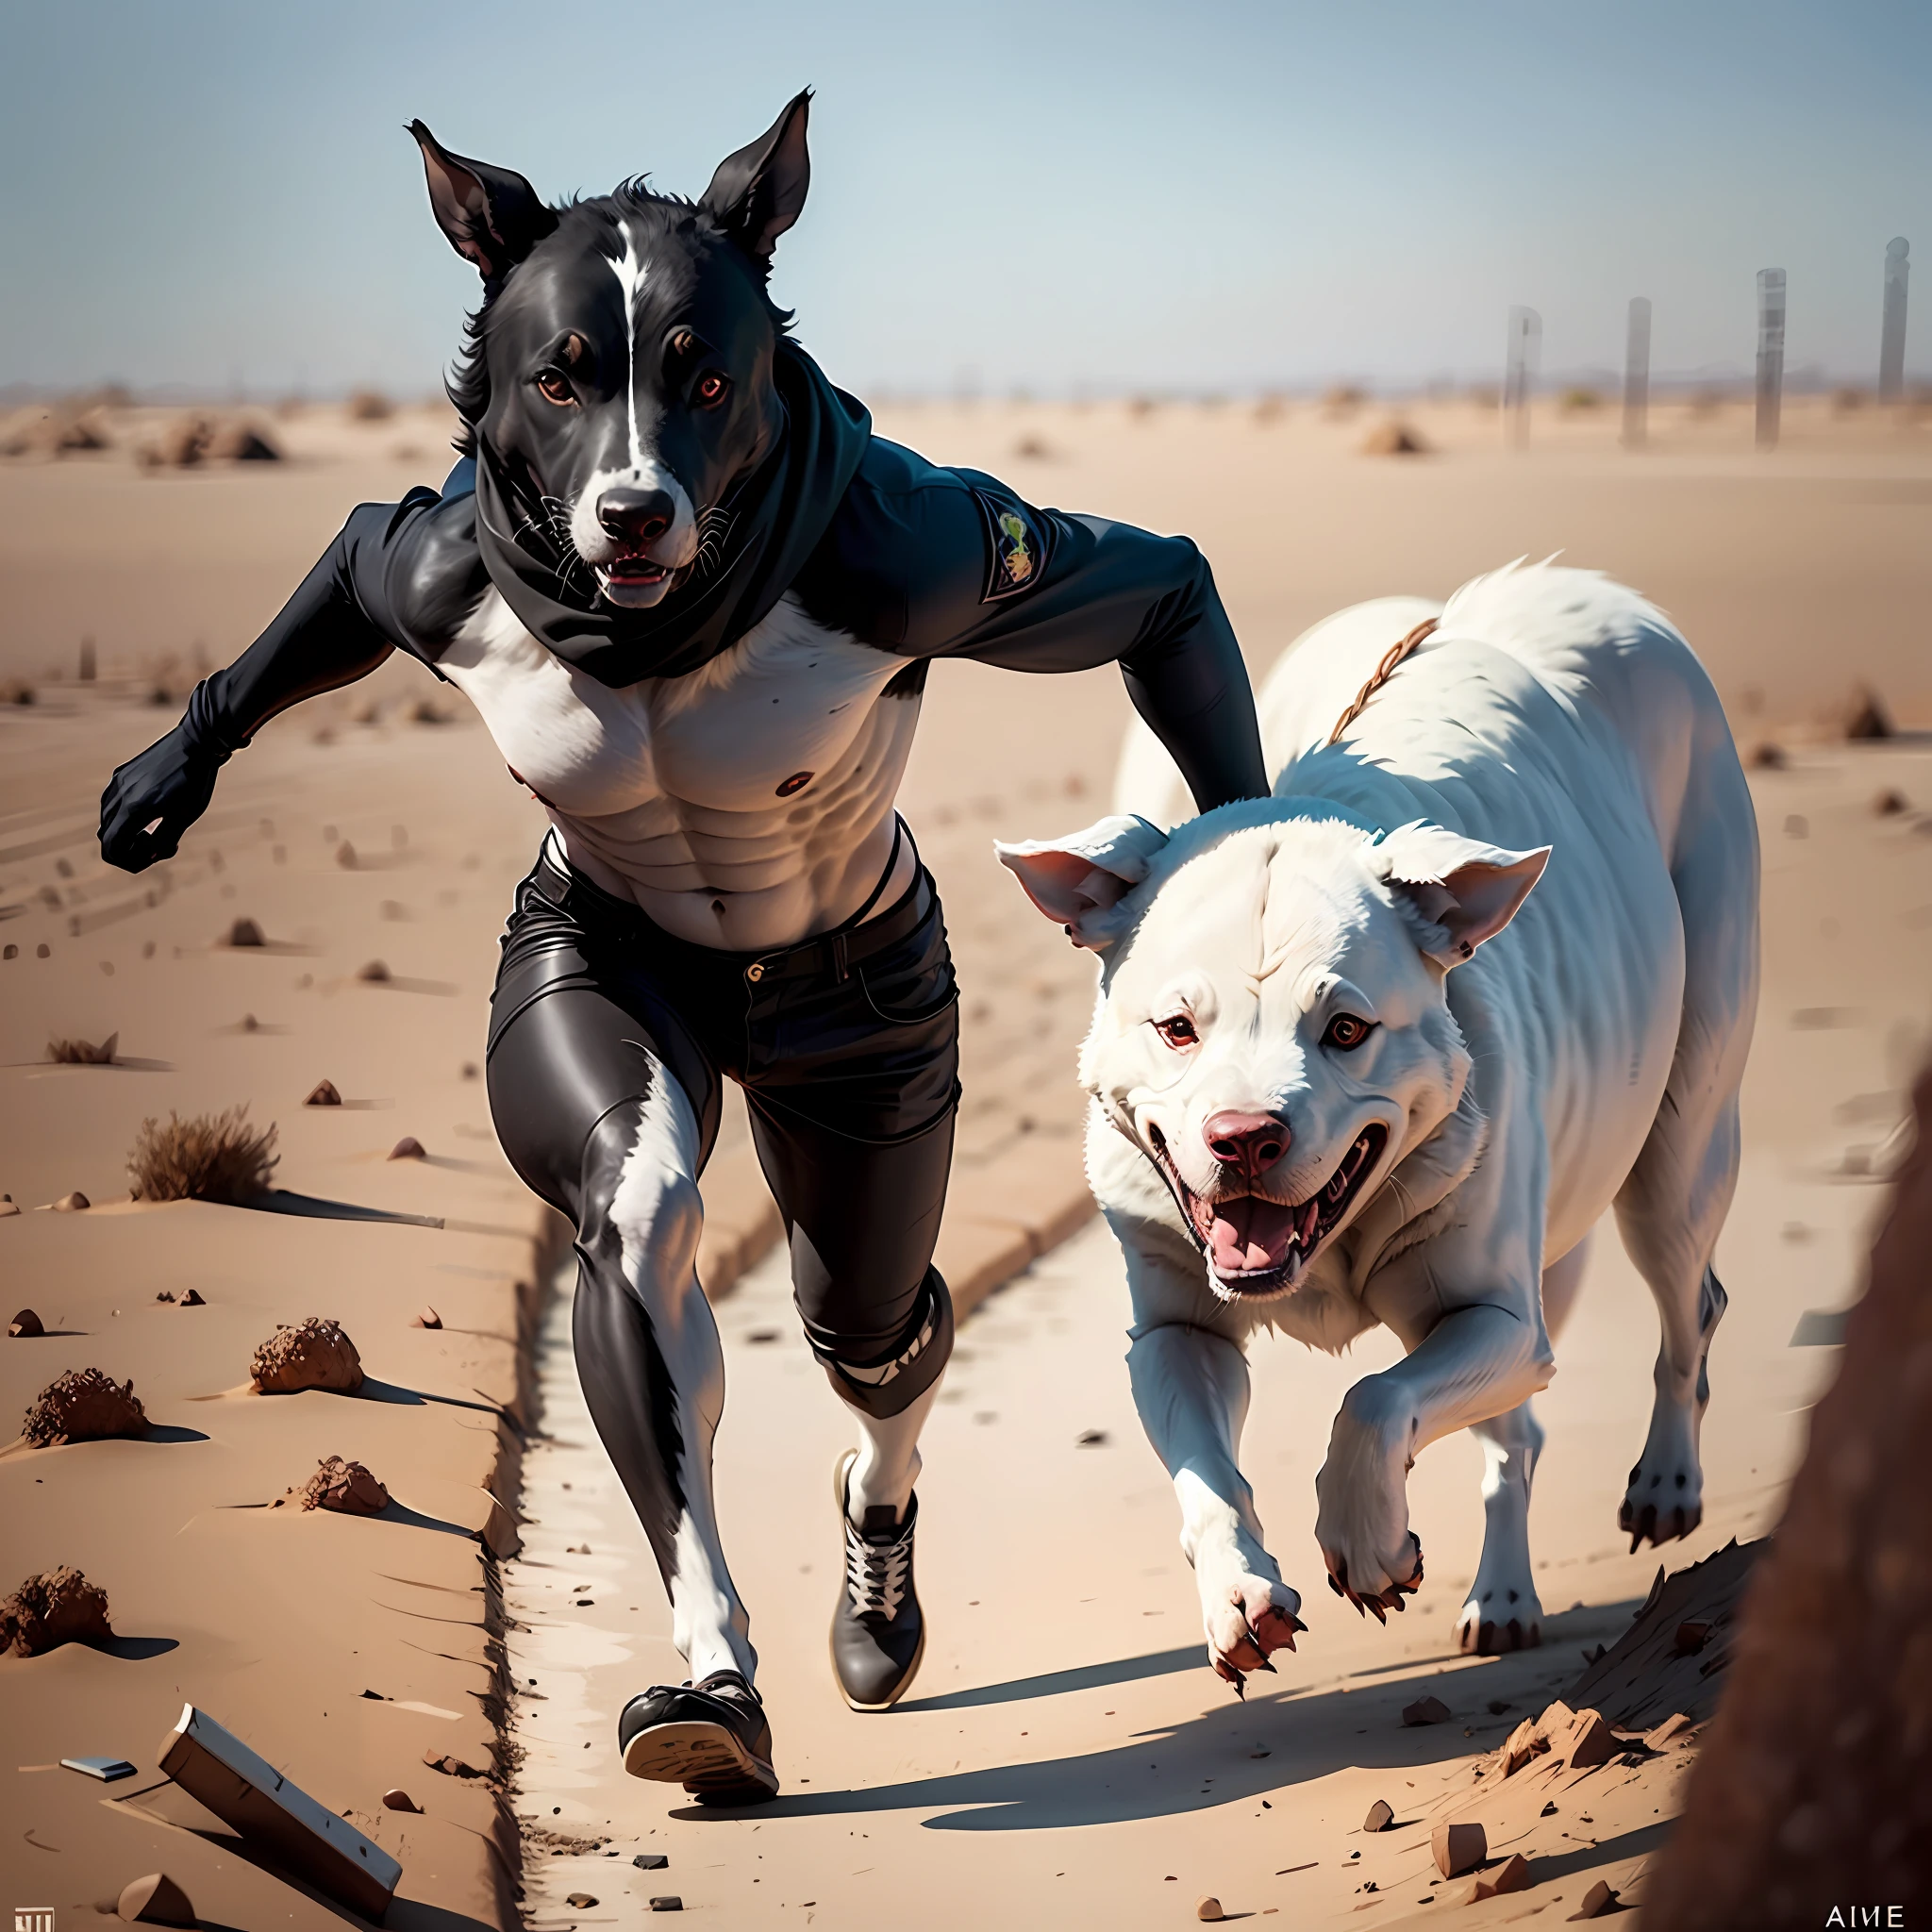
(491, 216)
(757, 193)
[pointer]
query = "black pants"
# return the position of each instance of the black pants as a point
(848, 1049)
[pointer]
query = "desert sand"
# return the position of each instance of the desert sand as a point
(1065, 1753)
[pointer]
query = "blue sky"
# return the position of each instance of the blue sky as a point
(1058, 198)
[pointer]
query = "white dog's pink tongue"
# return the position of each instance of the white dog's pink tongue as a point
(1249, 1236)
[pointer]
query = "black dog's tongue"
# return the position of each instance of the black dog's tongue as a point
(777, 517)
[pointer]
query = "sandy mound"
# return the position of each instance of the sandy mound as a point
(314, 1354)
(60, 1606)
(214, 1157)
(345, 1487)
(84, 1406)
(1393, 440)
(1816, 1785)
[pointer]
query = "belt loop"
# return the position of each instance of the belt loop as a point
(841, 971)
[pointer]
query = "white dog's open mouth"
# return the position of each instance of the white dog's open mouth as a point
(1256, 1246)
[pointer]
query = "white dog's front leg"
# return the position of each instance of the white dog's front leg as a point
(1474, 1364)
(1191, 1389)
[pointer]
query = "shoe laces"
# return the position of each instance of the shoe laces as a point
(877, 1573)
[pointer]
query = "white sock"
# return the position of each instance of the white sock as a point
(888, 1463)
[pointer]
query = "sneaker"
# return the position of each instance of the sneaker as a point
(879, 1636)
(711, 1738)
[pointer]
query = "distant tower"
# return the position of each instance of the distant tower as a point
(1891, 340)
(1519, 372)
(1771, 354)
(1636, 375)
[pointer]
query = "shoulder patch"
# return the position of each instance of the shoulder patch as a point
(1015, 546)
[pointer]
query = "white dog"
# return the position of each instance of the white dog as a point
(1330, 1091)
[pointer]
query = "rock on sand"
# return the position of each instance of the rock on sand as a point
(314, 1354)
(347, 1488)
(53, 1608)
(84, 1406)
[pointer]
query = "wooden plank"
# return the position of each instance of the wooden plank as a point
(218, 1769)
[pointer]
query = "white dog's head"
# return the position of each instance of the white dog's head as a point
(1272, 1032)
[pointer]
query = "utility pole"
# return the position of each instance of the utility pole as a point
(1519, 372)
(1892, 339)
(1636, 375)
(1771, 354)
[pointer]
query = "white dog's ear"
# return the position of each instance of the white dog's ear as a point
(1078, 880)
(1460, 891)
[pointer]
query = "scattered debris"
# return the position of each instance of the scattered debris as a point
(1692, 1635)
(84, 1406)
(245, 932)
(650, 1862)
(155, 1900)
(164, 1294)
(324, 1094)
(1458, 1848)
(1208, 1909)
(1090, 1439)
(347, 1488)
(215, 1156)
(408, 1148)
(25, 1324)
(1381, 1816)
(373, 973)
(8, 1206)
(53, 1608)
(108, 1769)
(1394, 439)
(268, 1809)
(1676, 1729)
(71, 1204)
(1426, 1710)
(1598, 1900)
(1767, 756)
(1512, 1875)
(450, 1765)
(1549, 1810)
(396, 1799)
(581, 1900)
(314, 1354)
(669, 1903)
(427, 1318)
(1888, 802)
(79, 1053)
(191, 1298)
(1524, 1742)
(1866, 718)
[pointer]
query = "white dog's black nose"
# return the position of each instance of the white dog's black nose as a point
(1249, 1142)
(636, 517)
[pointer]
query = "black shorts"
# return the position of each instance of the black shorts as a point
(846, 1047)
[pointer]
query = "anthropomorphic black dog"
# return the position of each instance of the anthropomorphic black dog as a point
(694, 598)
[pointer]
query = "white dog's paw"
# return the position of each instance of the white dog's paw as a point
(1245, 1620)
(1502, 1613)
(1666, 1494)
(1374, 1559)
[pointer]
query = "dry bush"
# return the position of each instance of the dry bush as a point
(53, 1608)
(369, 406)
(238, 441)
(79, 1053)
(84, 1406)
(210, 1158)
(1580, 401)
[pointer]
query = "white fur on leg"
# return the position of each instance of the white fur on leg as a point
(887, 1464)
(658, 1217)
(1503, 1610)
(1191, 1387)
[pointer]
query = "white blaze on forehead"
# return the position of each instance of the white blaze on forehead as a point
(630, 273)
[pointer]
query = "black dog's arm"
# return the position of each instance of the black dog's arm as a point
(337, 627)
(932, 563)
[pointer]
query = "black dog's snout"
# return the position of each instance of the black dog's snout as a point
(636, 517)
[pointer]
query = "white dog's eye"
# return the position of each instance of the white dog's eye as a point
(1177, 1030)
(1347, 1032)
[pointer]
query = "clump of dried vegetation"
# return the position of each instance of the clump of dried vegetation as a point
(214, 1157)
(82, 1053)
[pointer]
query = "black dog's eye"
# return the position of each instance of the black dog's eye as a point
(553, 385)
(1347, 1032)
(711, 388)
(1177, 1030)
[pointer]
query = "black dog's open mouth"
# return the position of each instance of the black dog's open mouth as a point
(1257, 1246)
(634, 572)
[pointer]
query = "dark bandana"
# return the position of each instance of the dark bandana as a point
(750, 547)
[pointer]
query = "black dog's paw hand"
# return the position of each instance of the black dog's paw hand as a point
(152, 800)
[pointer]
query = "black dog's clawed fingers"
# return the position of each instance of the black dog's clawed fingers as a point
(1375, 1605)
(1297, 1622)
(1396, 1600)
(1336, 1584)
